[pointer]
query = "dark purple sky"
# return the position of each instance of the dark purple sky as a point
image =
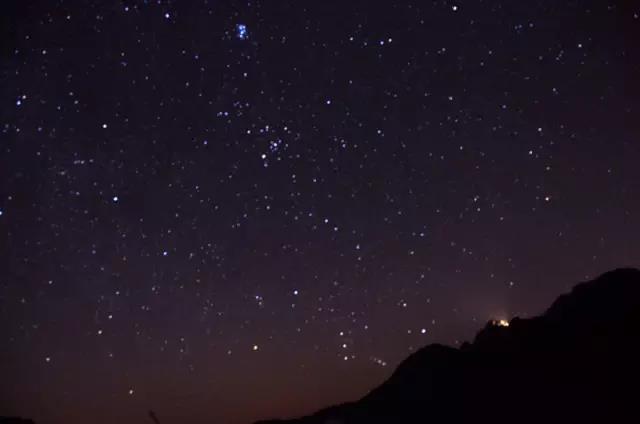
(225, 211)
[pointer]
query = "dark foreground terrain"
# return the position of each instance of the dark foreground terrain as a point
(578, 362)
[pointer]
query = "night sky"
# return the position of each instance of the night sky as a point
(224, 211)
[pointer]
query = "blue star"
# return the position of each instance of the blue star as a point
(241, 32)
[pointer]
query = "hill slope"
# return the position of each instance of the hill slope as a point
(577, 362)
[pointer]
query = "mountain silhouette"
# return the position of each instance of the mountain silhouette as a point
(577, 362)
